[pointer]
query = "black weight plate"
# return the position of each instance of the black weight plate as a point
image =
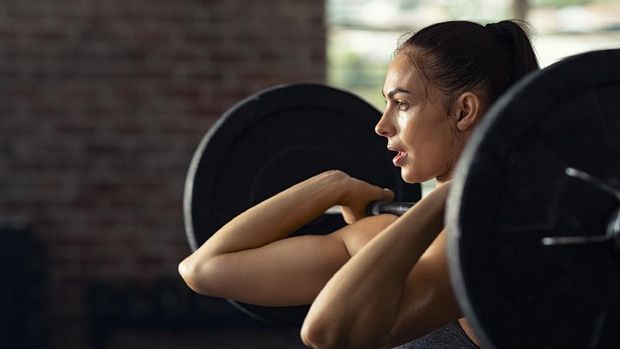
(277, 138)
(511, 191)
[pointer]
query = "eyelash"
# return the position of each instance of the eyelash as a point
(400, 105)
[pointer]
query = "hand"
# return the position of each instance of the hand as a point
(359, 195)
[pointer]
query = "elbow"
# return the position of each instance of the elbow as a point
(321, 333)
(317, 336)
(194, 274)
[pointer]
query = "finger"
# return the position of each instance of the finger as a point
(355, 212)
(388, 195)
(359, 213)
(347, 215)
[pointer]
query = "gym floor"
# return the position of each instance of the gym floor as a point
(166, 314)
(258, 337)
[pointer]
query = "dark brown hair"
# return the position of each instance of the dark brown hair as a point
(458, 56)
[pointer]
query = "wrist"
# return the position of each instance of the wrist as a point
(344, 186)
(330, 184)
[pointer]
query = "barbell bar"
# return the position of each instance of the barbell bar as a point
(379, 207)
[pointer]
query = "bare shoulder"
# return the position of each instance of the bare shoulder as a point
(358, 234)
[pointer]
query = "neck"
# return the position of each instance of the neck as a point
(441, 180)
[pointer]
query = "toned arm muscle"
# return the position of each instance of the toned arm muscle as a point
(285, 272)
(290, 271)
(427, 300)
(252, 259)
(396, 288)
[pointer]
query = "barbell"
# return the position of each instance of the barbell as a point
(272, 140)
(533, 216)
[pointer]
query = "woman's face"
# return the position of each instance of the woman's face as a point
(417, 125)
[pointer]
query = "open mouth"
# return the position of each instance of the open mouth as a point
(399, 158)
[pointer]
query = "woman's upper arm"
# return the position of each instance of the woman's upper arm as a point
(289, 271)
(428, 300)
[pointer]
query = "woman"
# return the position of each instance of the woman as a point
(379, 281)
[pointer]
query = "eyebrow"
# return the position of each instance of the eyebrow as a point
(395, 91)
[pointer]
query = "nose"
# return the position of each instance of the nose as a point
(384, 127)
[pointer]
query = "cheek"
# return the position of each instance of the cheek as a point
(422, 135)
(430, 148)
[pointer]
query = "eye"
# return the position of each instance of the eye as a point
(402, 106)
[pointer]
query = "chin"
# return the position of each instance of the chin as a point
(412, 177)
(409, 177)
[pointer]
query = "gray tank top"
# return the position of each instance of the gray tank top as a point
(449, 336)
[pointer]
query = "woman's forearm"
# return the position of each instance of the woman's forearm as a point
(278, 216)
(359, 305)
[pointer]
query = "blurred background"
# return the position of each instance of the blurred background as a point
(102, 104)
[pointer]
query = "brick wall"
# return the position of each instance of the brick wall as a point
(101, 106)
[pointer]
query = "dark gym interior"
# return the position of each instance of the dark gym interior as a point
(102, 105)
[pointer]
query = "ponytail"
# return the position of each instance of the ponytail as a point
(515, 38)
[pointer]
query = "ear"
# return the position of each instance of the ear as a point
(467, 110)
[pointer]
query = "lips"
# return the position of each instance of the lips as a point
(398, 159)
(400, 156)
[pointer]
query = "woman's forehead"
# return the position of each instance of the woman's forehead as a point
(403, 74)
